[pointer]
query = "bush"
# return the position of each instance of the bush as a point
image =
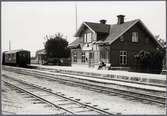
(150, 62)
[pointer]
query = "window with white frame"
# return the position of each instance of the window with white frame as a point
(85, 38)
(10, 57)
(14, 57)
(75, 57)
(89, 37)
(135, 37)
(123, 57)
(83, 57)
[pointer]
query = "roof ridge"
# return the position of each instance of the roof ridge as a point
(113, 24)
(96, 23)
(135, 20)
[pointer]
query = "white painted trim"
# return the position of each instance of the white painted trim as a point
(91, 30)
(84, 23)
(89, 27)
(78, 30)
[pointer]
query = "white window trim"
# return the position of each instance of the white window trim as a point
(135, 37)
(89, 37)
(85, 38)
(123, 55)
(94, 35)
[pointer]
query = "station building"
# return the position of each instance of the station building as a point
(114, 44)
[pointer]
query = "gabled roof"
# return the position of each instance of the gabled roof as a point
(114, 31)
(117, 30)
(14, 51)
(95, 27)
(76, 42)
(41, 51)
(98, 27)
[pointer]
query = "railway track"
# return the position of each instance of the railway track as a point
(62, 104)
(139, 96)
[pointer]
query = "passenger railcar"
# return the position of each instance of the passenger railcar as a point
(16, 57)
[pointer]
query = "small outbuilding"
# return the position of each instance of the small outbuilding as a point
(41, 56)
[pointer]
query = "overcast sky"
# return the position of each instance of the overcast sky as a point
(26, 23)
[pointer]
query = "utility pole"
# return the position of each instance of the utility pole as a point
(9, 45)
(76, 16)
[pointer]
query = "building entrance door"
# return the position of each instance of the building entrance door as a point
(91, 59)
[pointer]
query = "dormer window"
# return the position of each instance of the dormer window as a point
(135, 37)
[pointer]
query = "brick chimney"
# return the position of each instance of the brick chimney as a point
(103, 21)
(120, 19)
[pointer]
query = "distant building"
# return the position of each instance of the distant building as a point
(41, 56)
(115, 44)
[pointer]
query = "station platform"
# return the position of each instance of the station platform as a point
(114, 76)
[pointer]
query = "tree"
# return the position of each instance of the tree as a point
(161, 41)
(151, 61)
(56, 47)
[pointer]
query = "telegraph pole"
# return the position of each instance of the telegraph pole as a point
(9, 45)
(76, 16)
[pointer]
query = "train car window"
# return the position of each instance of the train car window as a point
(10, 57)
(24, 55)
(27, 55)
(14, 56)
(6, 57)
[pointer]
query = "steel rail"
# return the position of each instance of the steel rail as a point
(91, 108)
(47, 102)
(99, 88)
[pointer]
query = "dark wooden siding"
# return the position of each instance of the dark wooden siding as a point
(131, 47)
(101, 36)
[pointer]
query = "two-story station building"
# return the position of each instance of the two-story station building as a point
(116, 44)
